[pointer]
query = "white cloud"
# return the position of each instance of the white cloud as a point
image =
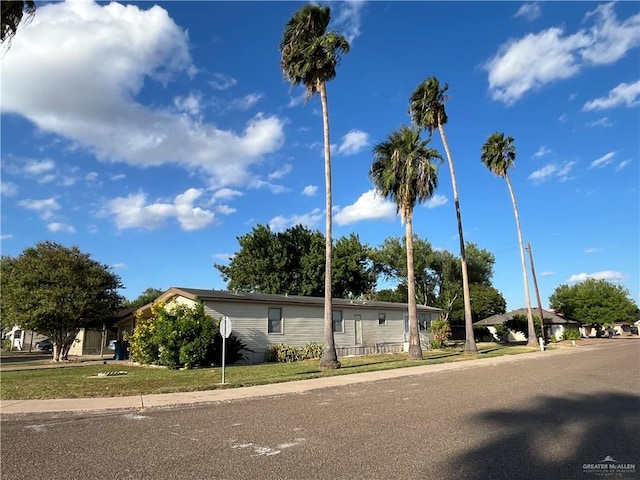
(246, 102)
(542, 151)
(436, 201)
(91, 176)
(309, 220)
(273, 187)
(563, 118)
(353, 142)
(189, 104)
(6, 236)
(531, 62)
(608, 275)
(591, 250)
(92, 101)
(220, 81)
(622, 164)
(546, 274)
(603, 160)
(119, 266)
(281, 172)
(46, 207)
(310, 190)
(624, 95)
(552, 170)
(225, 209)
(295, 101)
(347, 18)
(56, 227)
(120, 176)
(226, 194)
(134, 212)
(602, 122)
(369, 206)
(530, 11)
(8, 189)
(223, 256)
(38, 167)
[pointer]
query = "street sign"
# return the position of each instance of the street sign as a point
(225, 327)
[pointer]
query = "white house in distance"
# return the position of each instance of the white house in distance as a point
(260, 320)
(554, 324)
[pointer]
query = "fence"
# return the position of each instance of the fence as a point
(369, 349)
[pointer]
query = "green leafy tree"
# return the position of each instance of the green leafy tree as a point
(390, 260)
(404, 170)
(595, 302)
(293, 262)
(352, 267)
(148, 296)
(13, 13)
(310, 56)
(428, 112)
(499, 155)
(485, 301)
(56, 291)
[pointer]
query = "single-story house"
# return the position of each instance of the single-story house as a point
(554, 324)
(260, 320)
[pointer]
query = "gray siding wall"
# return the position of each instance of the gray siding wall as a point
(302, 324)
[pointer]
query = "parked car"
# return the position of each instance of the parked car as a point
(45, 345)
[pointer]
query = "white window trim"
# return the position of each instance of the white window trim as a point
(341, 321)
(281, 332)
(385, 320)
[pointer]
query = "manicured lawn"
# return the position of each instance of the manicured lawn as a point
(76, 380)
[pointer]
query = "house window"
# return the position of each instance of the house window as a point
(338, 324)
(424, 321)
(274, 324)
(382, 319)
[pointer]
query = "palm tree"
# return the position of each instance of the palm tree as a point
(427, 111)
(403, 170)
(310, 56)
(498, 155)
(12, 14)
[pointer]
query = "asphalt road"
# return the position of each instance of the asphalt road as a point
(544, 418)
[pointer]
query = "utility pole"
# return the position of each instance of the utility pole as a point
(535, 284)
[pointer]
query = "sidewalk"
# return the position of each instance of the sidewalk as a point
(140, 402)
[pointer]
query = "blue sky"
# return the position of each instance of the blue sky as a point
(152, 135)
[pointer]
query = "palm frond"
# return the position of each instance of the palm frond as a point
(498, 154)
(403, 169)
(426, 105)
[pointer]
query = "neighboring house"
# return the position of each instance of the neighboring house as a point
(94, 341)
(24, 340)
(554, 324)
(260, 320)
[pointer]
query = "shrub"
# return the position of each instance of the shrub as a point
(233, 352)
(502, 332)
(572, 334)
(311, 350)
(519, 324)
(283, 353)
(441, 332)
(435, 345)
(482, 333)
(175, 335)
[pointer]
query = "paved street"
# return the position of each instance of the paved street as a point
(528, 418)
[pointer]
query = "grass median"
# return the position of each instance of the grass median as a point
(78, 381)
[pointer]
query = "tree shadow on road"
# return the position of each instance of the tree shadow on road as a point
(555, 439)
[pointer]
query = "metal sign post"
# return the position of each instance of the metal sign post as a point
(225, 332)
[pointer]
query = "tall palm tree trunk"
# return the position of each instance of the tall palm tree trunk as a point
(329, 358)
(415, 351)
(470, 342)
(532, 340)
